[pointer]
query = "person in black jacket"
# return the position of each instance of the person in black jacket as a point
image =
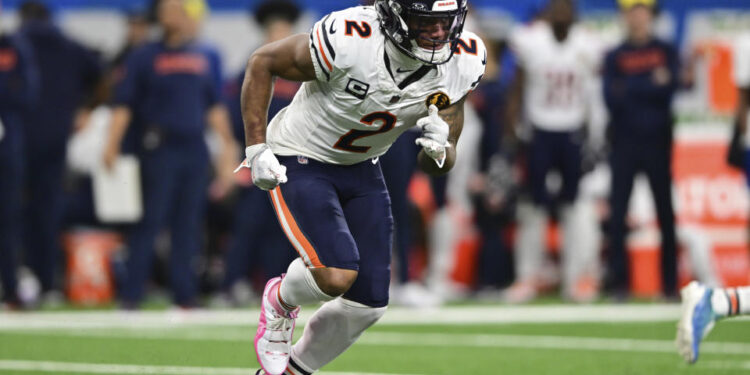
(18, 90)
(640, 79)
(70, 74)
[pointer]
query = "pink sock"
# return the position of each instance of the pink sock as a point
(274, 298)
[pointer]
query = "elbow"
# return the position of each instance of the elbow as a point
(253, 62)
(259, 62)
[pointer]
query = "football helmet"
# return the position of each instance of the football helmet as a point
(411, 26)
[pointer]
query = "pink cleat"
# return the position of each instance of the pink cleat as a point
(273, 340)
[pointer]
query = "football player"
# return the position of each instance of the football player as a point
(369, 73)
(557, 69)
(703, 306)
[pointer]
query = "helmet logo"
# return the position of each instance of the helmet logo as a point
(419, 6)
(445, 5)
(439, 100)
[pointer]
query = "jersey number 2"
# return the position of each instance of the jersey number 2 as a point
(346, 141)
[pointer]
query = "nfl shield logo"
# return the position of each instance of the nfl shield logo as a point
(301, 160)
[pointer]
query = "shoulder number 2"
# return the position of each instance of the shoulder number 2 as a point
(363, 28)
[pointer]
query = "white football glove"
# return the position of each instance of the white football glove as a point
(266, 170)
(434, 139)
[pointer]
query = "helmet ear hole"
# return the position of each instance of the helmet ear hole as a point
(396, 7)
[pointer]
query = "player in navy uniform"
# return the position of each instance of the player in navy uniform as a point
(703, 306)
(558, 62)
(18, 91)
(169, 89)
(370, 73)
(640, 79)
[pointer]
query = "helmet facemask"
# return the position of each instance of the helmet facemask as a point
(425, 35)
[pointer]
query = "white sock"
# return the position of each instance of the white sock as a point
(530, 245)
(731, 301)
(299, 287)
(329, 332)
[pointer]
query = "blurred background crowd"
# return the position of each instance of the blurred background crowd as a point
(603, 155)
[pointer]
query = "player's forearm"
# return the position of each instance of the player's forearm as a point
(454, 117)
(99, 94)
(743, 107)
(120, 122)
(428, 165)
(218, 120)
(515, 103)
(256, 97)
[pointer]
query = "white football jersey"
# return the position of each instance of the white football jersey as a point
(741, 67)
(742, 61)
(559, 75)
(354, 110)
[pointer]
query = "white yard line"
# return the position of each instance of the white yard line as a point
(433, 339)
(90, 368)
(394, 316)
(544, 342)
(726, 365)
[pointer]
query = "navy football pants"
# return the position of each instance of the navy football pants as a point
(555, 150)
(339, 216)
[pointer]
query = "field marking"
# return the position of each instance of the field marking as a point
(549, 314)
(91, 368)
(546, 342)
(726, 365)
(437, 340)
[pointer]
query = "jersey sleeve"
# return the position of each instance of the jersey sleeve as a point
(742, 61)
(472, 56)
(594, 52)
(340, 40)
(518, 43)
(323, 47)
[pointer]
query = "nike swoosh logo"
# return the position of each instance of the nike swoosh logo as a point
(332, 30)
(399, 70)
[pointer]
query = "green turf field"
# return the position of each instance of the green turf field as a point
(49, 344)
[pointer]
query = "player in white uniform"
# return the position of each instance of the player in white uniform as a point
(557, 66)
(703, 306)
(370, 73)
